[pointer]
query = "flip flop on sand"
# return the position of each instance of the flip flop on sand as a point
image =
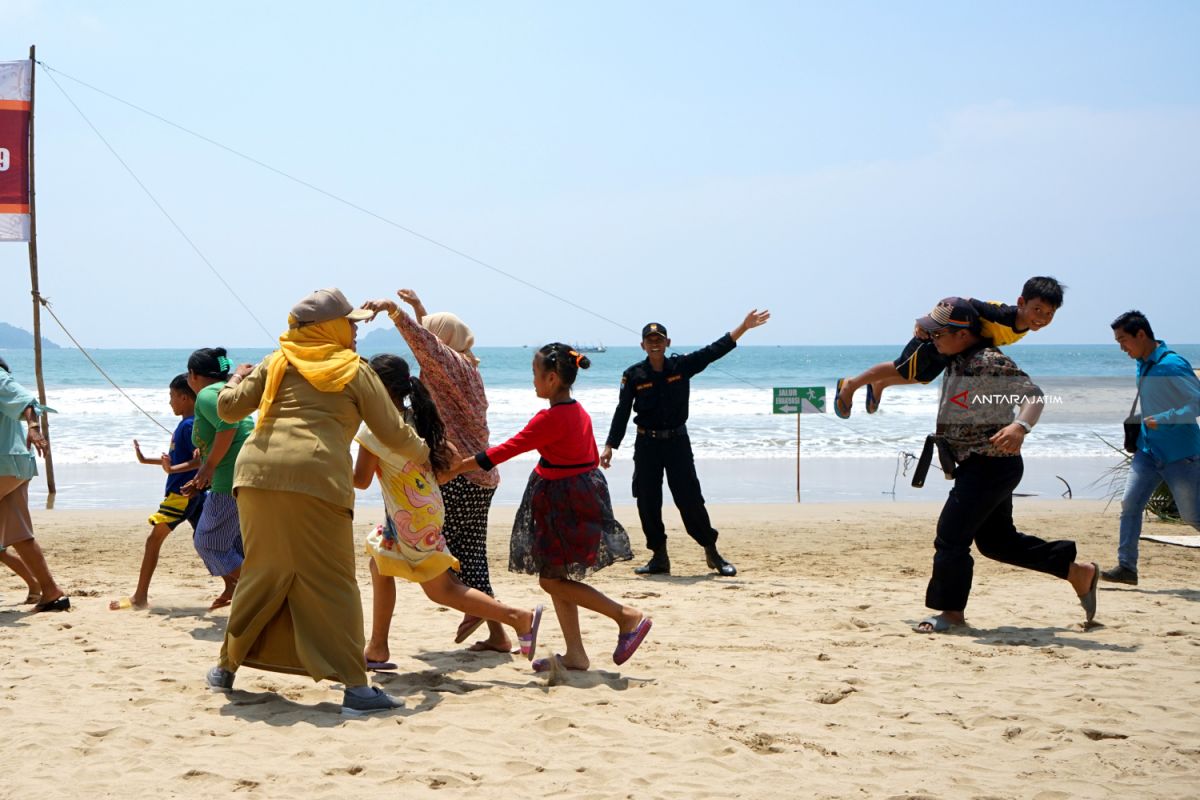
(32, 599)
(380, 666)
(528, 641)
(1088, 599)
(628, 643)
(220, 602)
(937, 624)
(123, 603)
(61, 604)
(469, 625)
(837, 401)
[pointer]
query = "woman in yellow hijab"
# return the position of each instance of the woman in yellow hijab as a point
(297, 607)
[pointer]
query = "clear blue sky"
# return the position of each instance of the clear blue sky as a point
(844, 164)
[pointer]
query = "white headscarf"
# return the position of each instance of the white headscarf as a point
(452, 332)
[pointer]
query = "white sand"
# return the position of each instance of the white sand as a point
(798, 678)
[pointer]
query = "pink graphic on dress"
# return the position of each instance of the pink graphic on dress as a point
(410, 544)
(420, 510)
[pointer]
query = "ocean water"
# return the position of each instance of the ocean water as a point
(746, 453)
(731, 410)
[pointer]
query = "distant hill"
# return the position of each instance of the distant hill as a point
(19, 338)
(383, 340)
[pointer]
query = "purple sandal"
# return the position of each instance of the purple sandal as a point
(627, 643)
(528, 641)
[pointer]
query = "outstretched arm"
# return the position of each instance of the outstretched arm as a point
(137, 451)
(695, 363)
(410, 297)
(754, 319)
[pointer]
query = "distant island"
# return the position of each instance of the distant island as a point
(383, 340)
(15, 338)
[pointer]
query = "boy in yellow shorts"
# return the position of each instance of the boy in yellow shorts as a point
(180, 465)
(1040, 299)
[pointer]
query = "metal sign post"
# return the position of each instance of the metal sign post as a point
(798, 400)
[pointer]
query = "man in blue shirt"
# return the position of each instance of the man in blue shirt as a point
(1168, 448)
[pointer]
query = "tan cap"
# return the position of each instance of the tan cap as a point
(324, 305)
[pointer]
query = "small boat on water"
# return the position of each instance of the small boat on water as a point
(590, 348)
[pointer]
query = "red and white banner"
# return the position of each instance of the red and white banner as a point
(16, 79)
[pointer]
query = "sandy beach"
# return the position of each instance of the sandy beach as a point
(800, 677)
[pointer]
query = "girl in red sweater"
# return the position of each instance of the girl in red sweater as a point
(564, 529)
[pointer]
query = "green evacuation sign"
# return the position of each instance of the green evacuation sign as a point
(799, 400)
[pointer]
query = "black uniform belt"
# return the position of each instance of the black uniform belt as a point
(663, 434)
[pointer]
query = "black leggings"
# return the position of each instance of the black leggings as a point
(465, 529)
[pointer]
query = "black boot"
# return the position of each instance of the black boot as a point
(659, 564)
(715, 561)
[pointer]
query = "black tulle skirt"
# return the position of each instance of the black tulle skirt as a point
(565, 528)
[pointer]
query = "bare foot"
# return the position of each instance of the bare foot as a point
(221, 601)
(498, 646)
(526, 624)
(1080, 577)
(630, 619)
(559, 662)
(374, 655)
(32, 599)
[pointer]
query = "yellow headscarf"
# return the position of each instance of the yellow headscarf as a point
(320, 352)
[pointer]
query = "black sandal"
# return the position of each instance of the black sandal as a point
(61, 604)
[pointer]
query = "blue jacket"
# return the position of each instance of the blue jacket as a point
(1170, 394)
(15, 458)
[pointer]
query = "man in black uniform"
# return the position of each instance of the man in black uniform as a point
(657, 392)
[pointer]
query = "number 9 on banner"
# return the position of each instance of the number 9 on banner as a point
(4, 159)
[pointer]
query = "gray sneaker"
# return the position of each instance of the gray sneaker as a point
(355, 706)
(219, 680)
(1120, 574)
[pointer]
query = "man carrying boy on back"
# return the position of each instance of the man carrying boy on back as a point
(1040, 299)
(180, 465)
(985, 441)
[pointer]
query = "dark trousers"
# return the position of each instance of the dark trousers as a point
(653, 457)
(979, 510)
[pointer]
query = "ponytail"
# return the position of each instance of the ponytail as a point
(564, 360)
(428, 423)
(210, 362)
(393, 371)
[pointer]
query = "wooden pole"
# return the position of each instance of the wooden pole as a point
(33, 283)
(797, 456)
